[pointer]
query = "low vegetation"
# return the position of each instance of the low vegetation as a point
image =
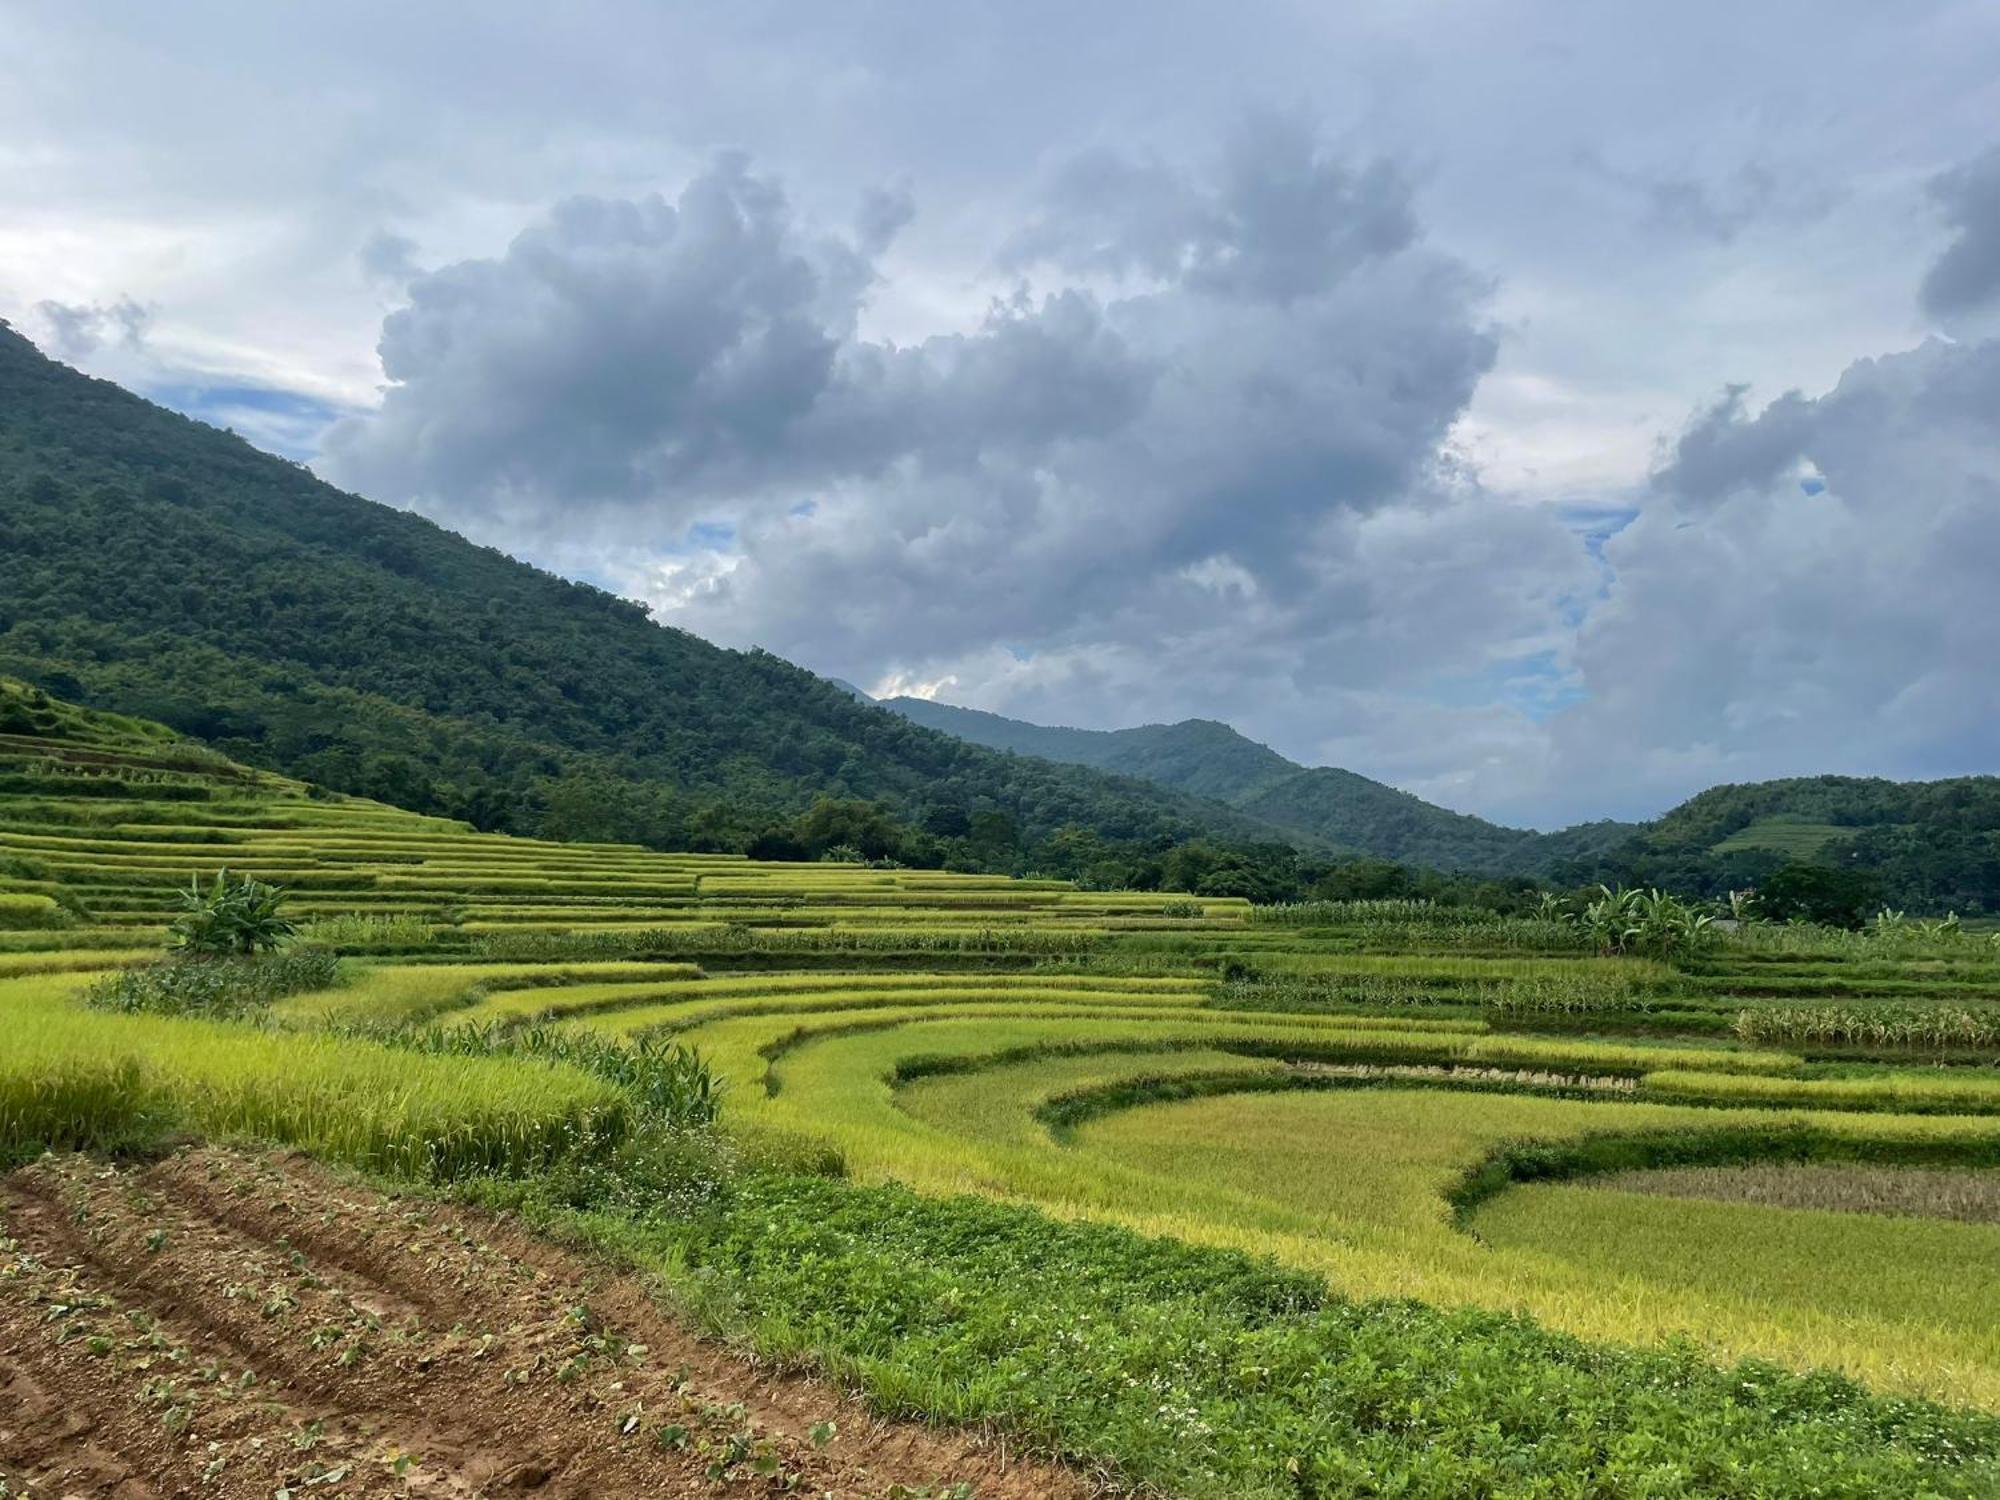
(1912, 1192)
(1374, 1196)
(220, 989)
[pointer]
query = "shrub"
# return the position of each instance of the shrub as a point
(1648, 922)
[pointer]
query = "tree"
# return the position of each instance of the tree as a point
(1819, 893)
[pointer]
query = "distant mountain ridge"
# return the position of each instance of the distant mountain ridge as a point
(1342, 808)
(1934, 845)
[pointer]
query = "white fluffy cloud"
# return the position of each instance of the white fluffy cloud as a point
(1195, 461)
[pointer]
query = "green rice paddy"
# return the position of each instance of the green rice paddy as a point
(1393, 1103)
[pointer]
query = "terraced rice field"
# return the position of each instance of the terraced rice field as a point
(1370, 1102)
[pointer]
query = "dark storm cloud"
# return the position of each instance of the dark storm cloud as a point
(1967, 275)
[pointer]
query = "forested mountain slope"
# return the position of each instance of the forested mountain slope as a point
(1929, 845)
(157, 566)
(1346, 810)
(1196, 755)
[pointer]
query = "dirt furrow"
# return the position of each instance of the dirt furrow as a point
(102, 1398)
(228, 1324)
(40, 1412)
(209, 1389)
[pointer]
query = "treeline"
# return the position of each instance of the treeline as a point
(948, 837)
(1929, 864)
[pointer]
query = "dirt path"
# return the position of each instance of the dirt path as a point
(225, 1324)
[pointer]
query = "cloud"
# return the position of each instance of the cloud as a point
(76, 331)
(1755, 629)
(1967, 275)
(1717, 207)
(620, 352)
(1280, 220)
(1722, 452)
(1191, 459)
(1232, 461)
(389, 258)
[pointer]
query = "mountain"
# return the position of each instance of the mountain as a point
(1928, 845)
(1345, 810)
(1196, 755)
(156, 566)
(1931, 846)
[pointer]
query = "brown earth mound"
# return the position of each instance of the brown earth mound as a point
(227, 1324)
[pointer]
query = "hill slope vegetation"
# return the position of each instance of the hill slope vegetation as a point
(1344, 809)
(1929, 846)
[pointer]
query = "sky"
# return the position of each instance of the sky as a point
(1550, 409)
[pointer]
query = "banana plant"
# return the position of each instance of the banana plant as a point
(229, 918)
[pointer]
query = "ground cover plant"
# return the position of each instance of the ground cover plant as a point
(1355, 1197)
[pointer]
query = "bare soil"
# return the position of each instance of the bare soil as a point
(231, 1324)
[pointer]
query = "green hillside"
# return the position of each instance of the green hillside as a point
(1928, 846)
(161, 567)
(1343, 809)
(1361, 814)
(1925, 845)
(1200, 756)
